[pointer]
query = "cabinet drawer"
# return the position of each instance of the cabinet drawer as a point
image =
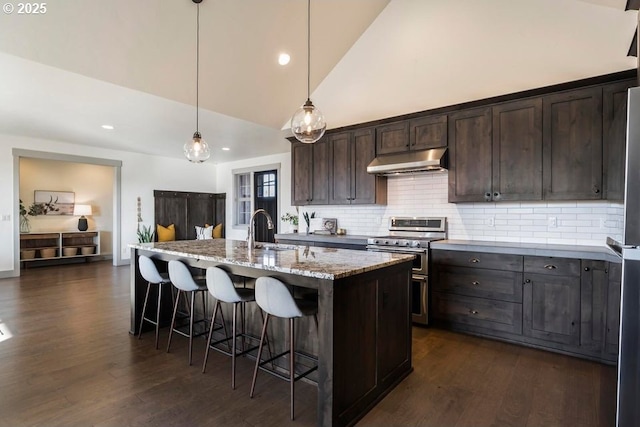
(550, 265)
(505, 262)
(490, 314)
(479, 282)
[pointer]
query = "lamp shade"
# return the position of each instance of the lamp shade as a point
(81, 210)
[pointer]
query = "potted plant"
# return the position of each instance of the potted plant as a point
(145, 234)
(25, 227)
(292, 219)
(307, 219)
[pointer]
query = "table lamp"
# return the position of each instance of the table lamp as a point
(82, 210)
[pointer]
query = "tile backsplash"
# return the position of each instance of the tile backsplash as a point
(574, 223)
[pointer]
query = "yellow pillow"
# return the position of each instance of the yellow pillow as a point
(166, 234)
(217, 231)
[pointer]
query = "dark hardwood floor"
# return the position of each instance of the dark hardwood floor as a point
(66, 358)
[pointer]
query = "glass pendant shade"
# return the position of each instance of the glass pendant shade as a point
(196, 150)
(308, 124)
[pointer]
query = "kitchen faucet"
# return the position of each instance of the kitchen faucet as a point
(250, 238)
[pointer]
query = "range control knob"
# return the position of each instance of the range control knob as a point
(386, 242)
(407, 243)
(415, 244)
(395, 242)
(376, 241)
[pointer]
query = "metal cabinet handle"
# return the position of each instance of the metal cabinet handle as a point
(550, 267)
(474, 260)
(496, 195)
(473, 311)
(527, 281)
(487, 197)
(475, 283)
(586, 269)
(596, 190)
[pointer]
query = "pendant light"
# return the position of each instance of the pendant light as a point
(308, 124)
(197, 150)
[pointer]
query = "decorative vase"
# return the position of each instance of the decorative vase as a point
(25, 227)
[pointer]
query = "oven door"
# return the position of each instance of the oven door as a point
(420, 262)
(420, 299)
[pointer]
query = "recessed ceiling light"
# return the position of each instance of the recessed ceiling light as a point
(226, 148)
(284, 59)
(108, 127)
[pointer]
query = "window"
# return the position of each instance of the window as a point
(242, 199)
(266, 185)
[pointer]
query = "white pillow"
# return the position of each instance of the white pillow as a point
(204, 233)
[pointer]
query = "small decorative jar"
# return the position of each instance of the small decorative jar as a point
(25, 227)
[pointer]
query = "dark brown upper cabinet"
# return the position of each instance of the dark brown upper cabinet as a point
(470, 155)
(572, 137)
(517, 150)
(428, 132)
(614, 135)
(392, 137)
(351, 152)
(309, 173)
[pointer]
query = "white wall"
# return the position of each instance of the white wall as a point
(92, 184)
(224, 179)
(140, 175)
(581, 223)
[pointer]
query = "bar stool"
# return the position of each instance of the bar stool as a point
(275, 299)
(221, 287)
(182, 279)
(150, 273)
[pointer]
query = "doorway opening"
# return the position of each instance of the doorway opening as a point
(265, 196)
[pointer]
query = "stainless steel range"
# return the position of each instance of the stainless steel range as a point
(410, 235)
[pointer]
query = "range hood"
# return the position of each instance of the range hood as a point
(410, 162)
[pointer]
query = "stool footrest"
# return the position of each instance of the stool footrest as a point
(282, 376)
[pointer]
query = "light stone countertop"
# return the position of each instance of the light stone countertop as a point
(597, 253)
(310, 261)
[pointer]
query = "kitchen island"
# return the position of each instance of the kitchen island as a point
(364, 322)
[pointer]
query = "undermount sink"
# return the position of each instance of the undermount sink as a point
(275, 247)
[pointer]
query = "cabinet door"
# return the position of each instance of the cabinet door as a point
(572, 138)
(517, 150)
(470, 155)
(613, 310)
(301, 173)
(428, 132)
(365, 187)
(593, 305)
(340, 146)
(551, 306)
(320, 178)
(392, 138)
(614, 135)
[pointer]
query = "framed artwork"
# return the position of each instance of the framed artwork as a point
(330, 225)
(53, 202)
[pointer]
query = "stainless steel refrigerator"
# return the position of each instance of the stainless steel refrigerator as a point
(628, 403)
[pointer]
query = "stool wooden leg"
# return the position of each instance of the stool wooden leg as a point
(193, 306)
(255, 370)
(233, 344)
(292, 363)
(158, 314)
(173, 320)
(213, 320)
(144, 308)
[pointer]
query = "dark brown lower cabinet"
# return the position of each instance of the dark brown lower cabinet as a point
(560, 304)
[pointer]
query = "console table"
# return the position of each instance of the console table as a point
(59, 245)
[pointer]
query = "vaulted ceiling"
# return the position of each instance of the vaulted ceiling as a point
(131, 64)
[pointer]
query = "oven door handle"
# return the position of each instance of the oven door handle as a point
(393, 249)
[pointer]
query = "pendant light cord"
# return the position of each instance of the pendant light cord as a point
(197, 63)
(308, 49)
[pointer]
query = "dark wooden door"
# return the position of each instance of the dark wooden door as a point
(392, 138)
(428, 132)
(301, 171)
(613, 310)
(593, 305)
(551, 308)
(572, 137)
(517, 150)
(320, 179)
(470, 155)
(365, 187)
(265, 192)
(614, 138)
(341, 151)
